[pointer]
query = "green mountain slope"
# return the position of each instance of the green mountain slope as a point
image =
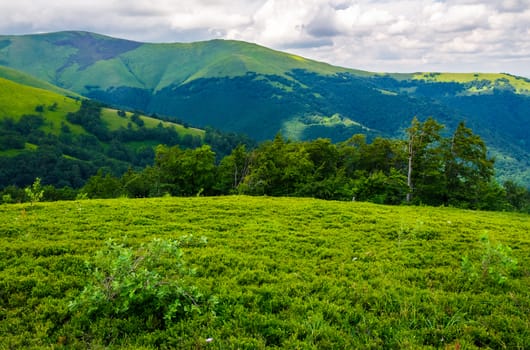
(43, 99)
(84, 61)
(41, 137)
(238, 86)
(29, 80)
(17, 100)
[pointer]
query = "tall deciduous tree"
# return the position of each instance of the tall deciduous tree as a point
(278, 168)
(232, 170)
(468, 169)
(185, 172)
(425, 161)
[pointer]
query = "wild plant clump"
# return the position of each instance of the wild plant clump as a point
(496, 263)
(148, 287)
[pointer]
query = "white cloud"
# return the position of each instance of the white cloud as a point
(378, 35)
(458, 18)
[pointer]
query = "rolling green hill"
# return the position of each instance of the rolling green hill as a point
(18, 99)
(39, 137)
(279, 273)
(84, 61)
(243, 87)
(29, 80)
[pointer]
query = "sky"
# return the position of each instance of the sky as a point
(377, 35)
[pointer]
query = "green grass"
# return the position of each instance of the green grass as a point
(26, 79)
(520, 85)
(295, 128)
(287, 273)
(16, 152)
(153, 123)
(148, 66)
(185, 62)
(114, 122)
(18, 99)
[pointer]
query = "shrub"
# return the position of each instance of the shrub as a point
(496, 263)
(145, 286)
(34, 192)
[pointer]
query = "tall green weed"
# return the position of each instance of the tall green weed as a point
(495, 263)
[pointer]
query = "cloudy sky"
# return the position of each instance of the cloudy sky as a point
(377, 35)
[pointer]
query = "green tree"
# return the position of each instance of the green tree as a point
(468, 169)
(102, 186)
(232, 170)
(517, 196)
(167, 165)
(139, 184)
(198, 171)
(136, 119)
(278, 168)
(425, 177)
(383, 155)
(185, 172)
(327, 180)
(381, 188)
(34, 192)
(350, 153)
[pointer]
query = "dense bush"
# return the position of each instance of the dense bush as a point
(146, 287)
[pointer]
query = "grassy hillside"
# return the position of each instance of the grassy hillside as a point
(84, 61)
(479, 82)
(474, 83)
(29, 80)
(37, 138)
(286, 273)
(21, 95)
(18, 99)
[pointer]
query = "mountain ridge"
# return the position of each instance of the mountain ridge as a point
(244, 87)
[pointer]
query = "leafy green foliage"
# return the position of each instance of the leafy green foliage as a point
(447, 170)
(426, 169)
(89, 117)
(184, 172)
(496, 263)
(46, 145)
(425, 161)
(68, 142)
(102, 186)
(517, 196)
(34, 192)
(145, 285)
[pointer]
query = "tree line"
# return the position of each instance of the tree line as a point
(428, 167)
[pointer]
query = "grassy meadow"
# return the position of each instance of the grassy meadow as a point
(22, 96)
(479, 82)
(284, 273)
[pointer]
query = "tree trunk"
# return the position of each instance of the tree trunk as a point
(409, 172)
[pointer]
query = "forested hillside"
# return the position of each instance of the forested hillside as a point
(427, 169)
(241, 87)
(66, 140)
